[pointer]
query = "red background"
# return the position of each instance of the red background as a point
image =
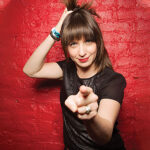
(30, 113)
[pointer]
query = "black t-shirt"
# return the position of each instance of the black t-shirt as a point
(105, 84)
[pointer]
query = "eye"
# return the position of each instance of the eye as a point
(88, 41)
(73, 44)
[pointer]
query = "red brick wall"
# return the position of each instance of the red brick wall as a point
(30, 113)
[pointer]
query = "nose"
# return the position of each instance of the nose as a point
(82, 50)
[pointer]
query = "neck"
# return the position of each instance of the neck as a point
(86, 72)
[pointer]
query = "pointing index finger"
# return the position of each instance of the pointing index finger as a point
(85, 91)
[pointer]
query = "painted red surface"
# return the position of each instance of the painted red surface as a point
(30, 113)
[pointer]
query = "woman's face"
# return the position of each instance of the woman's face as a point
(83, 53)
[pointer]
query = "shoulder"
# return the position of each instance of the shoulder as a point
(109, 79)
(111, 85)
(61, 63)
(65, 63)
(67, 66)
(110, 75)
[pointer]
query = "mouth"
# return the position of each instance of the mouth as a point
(84, 60)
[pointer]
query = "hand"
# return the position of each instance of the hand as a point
(64, 15)
(84, 98)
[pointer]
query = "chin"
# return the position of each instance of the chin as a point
(84, 65)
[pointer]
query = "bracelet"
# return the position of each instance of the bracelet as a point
(57, 34)
(54, 34)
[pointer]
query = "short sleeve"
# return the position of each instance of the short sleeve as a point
(115, 88)
(61, 64)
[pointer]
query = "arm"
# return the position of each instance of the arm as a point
(100, 121)
(35, 66)
(101, 126)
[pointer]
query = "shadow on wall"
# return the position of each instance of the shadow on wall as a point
(42, 84)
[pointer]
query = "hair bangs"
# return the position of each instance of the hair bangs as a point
(77, 31)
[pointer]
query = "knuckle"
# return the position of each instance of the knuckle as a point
(69, 99)
(71, 96)
(80, 110)
(93, 113)
(96, 106)
(66, 102)
(78, 103)
(95, 97)
(90, 89)
(79, 116)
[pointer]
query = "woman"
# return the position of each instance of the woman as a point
(92, 92)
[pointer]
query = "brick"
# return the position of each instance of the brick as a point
(109, 3)
(123, 61)
(143, 37)
(143, 3)
(127, 3)
(139, 61)
(126, 14)
(116, 26)
(107, 15)
(143, 25)
(117, 49)
(118, 37)
(142, 13)
(139, 49)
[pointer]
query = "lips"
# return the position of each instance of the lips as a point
(84, 59)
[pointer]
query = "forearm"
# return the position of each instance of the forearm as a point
(36, 61)
(99, 129)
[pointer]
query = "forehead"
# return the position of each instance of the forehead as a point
(82, 38)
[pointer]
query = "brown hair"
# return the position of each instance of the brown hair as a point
(81, 24)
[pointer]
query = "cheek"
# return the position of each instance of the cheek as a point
(93, 50)
(72, 53)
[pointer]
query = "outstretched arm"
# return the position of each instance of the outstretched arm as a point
(35, 66)
(100, 127)
(100, 120)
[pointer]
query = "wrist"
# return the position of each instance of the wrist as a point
(58, 28)
(55, 34)
(92, 120)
